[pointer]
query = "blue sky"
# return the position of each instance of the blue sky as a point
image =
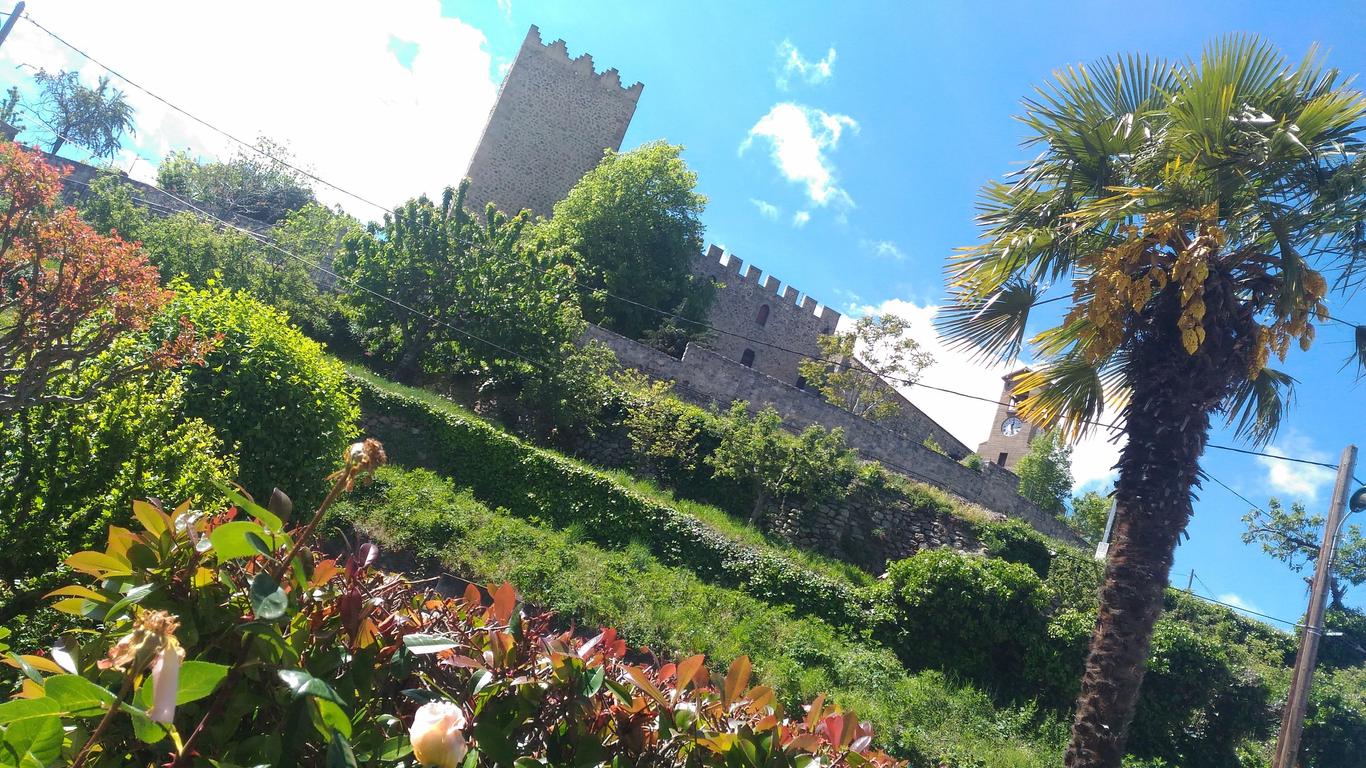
(841, 147)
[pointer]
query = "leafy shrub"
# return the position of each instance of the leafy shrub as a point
(1335, 728)
(973, 462)
(268, 391)
(978, 617)
(503, 471)
(67, 472)
(342, 653)
(1017, 542)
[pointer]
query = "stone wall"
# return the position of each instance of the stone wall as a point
(792, 324)
(872, 527)
(702, 376)
(553, 119)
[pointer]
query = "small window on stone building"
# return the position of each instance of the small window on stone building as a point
(747, 358)
(762, 317)
(1001, 460)
(801, 382)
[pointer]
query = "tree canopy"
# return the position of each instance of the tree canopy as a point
(1293, 536)
(94, 118)
(1046, 473)
(476, 292)
(860, 384)
(633, 225)
(253, 183)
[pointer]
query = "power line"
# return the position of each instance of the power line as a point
(804, 355)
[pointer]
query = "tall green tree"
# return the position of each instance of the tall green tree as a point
(477, 291)
(94, 118)
(1293, 536)
(1088, 515)
(253, 183)
(634, 226)
(1195, 207)
(1046, 473)
(859, 384)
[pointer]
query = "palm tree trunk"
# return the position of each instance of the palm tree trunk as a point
(1168, 420)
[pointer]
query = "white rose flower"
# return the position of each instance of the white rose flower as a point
(437, 736)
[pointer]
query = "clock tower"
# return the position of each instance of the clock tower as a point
(1010, 435)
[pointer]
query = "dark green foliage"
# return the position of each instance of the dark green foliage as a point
(251, 184)
(269, 392)
(1347, 649)
(1017, 542)
(1335, 728)
(1198, 700)
(505, 472)
(67, 472)
(470, 290)
(977, 617)
(633, 225)
(183, 245)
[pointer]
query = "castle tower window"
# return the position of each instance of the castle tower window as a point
(747, 358)
(762, 317)
(1001, 460)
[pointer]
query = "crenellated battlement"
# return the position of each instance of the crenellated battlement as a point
(723, 266)
(583, 63)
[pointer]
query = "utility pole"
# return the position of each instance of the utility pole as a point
(1190, 581)
(1292, 722)
(1103, 548)
(9, 23)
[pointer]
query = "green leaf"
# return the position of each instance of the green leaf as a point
(339, 753)
(132, 597)
(78, 696)
(259, 544)
(266, 517)
(330, 718)
(395, 747)
(198, 679)
(35, 741)
(268, 601)
(26, 709)
(300, 683)
(230, 539)
(421, 644)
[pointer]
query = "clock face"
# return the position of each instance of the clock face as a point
(1011, 427)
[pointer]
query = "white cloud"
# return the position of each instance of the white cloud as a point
(1299, 482)
(884, 248)
(799, 140)
(800, 218)
(506, 7)
(1238, 601)
(766, 209)
(335, 93)
(971, 420)
(794, 67)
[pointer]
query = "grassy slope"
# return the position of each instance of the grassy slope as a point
(674, 612)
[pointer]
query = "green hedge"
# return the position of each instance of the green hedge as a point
(505, 472)
(419, 516)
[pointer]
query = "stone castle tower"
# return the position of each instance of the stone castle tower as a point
(1010, 435)
(554, 118)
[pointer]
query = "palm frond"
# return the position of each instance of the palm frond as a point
(1258, 404)
(993, 327)
(1066, 393)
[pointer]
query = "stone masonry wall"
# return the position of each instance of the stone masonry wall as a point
(705, 377)
(793, 325)
(552, 121)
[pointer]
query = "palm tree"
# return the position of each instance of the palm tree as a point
(1196, 209)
